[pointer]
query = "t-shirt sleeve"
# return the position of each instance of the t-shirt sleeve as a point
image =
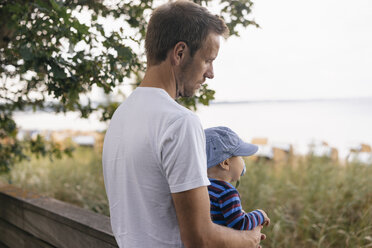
(183, 155)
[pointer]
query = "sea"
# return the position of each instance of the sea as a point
(341, 123)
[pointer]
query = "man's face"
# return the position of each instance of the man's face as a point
(195, 70)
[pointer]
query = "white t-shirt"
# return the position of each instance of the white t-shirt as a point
(153, 147)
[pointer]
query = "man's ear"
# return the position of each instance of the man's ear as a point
(178, 53)
(225, 164)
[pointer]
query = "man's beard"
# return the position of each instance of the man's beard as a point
(184, 88)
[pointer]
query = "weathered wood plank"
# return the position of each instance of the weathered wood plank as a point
(11, 210)
(53, 221)
(59, 234)
(3, 245)
(11, 236)
(89, 222)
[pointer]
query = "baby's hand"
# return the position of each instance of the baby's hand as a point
(266, 219)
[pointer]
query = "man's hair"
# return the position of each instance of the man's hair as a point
(180, 21)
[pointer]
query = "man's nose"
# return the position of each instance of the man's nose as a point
(210, 74)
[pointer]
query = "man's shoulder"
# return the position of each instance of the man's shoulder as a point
(154, 104)
(156, 100)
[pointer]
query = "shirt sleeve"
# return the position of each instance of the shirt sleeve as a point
(183, 155)
(234, 215)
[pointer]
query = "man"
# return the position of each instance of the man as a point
(154, 158)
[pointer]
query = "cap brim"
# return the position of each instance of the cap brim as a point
(246, 149)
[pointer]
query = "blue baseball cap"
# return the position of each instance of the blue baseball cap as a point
(223, 143)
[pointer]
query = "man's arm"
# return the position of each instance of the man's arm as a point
(197, 228)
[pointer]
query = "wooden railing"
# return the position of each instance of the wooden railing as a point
(30, 220)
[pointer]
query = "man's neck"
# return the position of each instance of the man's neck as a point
(160, 76)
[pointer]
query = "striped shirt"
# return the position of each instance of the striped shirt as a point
(226, 208)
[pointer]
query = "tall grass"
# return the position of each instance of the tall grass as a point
(313, 203)
(77, 180)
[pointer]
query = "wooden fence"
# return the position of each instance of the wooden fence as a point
(29, 220)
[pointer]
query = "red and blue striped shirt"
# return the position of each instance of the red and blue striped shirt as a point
(226, 207)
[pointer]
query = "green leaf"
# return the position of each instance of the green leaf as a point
(55, 6)
(124, 52)
(26, 53)
(58, 72)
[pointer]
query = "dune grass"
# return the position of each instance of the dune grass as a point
(77, 180)
(313, 203)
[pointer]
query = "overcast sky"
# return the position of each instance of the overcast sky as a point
(305, 49)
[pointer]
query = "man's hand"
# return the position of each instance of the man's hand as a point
(266, 219)
(258, 235)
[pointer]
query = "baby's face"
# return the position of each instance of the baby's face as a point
(236, 167)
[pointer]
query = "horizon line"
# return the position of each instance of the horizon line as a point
(288, 100)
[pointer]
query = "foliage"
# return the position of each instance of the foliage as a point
(49, 58)
(205, 95)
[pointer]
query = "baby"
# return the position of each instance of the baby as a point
(225, 165)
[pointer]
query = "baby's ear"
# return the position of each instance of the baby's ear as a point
(225, 164)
